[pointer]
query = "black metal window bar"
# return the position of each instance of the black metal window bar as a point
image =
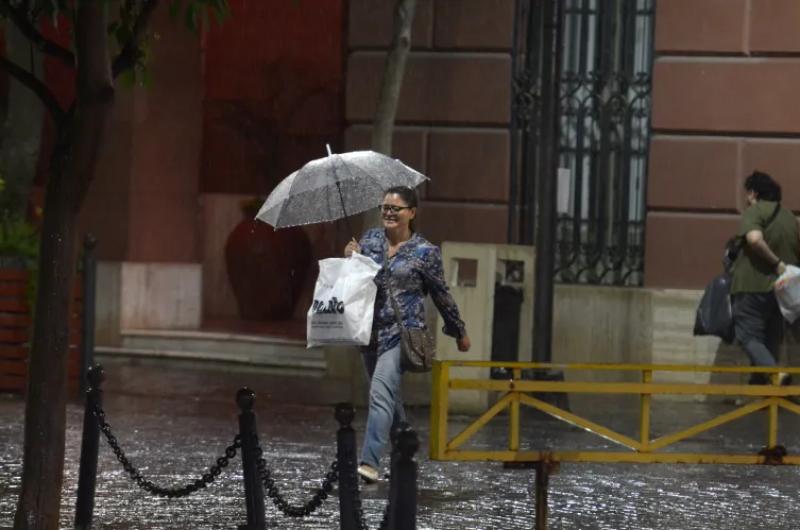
(605, 83)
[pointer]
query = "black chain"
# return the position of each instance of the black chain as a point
(295, 511)
(206, 479)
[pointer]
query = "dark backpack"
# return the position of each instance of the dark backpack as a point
(715, 314)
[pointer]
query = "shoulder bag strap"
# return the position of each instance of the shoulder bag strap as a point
(387, 281)
(773, 216)
(736, 243)
(741, 239)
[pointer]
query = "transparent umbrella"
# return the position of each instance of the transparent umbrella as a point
(334, 187)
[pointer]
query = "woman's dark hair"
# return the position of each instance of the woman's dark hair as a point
(765, 188)
(409, 197)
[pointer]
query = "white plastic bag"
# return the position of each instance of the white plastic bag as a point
(787, 291)
(344, 302)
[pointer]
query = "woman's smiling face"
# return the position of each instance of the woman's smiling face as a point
(396, 212)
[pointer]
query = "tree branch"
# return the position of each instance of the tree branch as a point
(35, 85)
(131, 52)
(28, 29)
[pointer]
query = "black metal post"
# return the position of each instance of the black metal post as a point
(548, 177)
(404, 479)
(346, 459)
(89, 291)
(253, 491)
(87, 473)
(394, 475)
(512, 235)
(542, 483)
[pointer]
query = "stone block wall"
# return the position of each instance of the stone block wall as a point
(724, 103)
(454, 110)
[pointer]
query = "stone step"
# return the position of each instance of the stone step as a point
(253, 350)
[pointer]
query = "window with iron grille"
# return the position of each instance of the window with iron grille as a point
(606, 64)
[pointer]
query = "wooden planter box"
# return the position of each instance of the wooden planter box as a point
(16, 327)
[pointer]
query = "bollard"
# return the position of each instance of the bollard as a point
(404, 476)
(253, 491)
(346, 460)
(87, 474)
(89, 300)
(397, 428)
(542, 483)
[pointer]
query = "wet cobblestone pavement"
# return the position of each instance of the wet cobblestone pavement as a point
(174, 422)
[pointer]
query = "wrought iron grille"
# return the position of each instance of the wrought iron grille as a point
(606, 63)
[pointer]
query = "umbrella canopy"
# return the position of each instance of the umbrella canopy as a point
(334, 187)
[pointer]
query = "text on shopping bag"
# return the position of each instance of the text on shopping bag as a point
(344, 302)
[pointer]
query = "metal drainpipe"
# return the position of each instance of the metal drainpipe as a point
(548, 169)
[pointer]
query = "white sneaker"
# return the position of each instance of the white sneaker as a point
(368, 473)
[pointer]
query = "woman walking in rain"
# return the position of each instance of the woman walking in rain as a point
(412, 269)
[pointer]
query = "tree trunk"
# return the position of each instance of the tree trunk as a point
(393, 71)
(72, 168)
(43, 462)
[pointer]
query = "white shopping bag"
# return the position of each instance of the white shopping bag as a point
(787, 291)
(344, 302)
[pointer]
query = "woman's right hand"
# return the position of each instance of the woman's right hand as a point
(351, 247)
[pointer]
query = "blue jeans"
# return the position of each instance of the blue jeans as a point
(385, 402)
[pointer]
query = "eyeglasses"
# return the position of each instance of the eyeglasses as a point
(386, 208)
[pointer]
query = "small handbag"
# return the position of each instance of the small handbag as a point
(417, 345)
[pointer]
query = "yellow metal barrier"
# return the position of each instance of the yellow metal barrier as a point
(516, 391)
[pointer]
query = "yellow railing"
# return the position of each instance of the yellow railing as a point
(516, 391)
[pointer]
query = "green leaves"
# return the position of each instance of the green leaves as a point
(18, 238)
(127, 29)
(50, 9)
(195, 13)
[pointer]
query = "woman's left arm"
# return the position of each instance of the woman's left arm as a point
(433, 278)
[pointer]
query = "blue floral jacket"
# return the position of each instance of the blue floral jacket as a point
(415, 271)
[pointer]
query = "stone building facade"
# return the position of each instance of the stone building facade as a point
(454, 111)
(723, 85)
(213, 129)
(724, 89)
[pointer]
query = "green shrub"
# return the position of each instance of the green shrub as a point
(19, 241)
(18, 238)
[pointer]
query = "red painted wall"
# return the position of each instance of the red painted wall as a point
(273, 81)
(262, 94)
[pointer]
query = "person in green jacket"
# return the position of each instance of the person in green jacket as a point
(771, 242)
